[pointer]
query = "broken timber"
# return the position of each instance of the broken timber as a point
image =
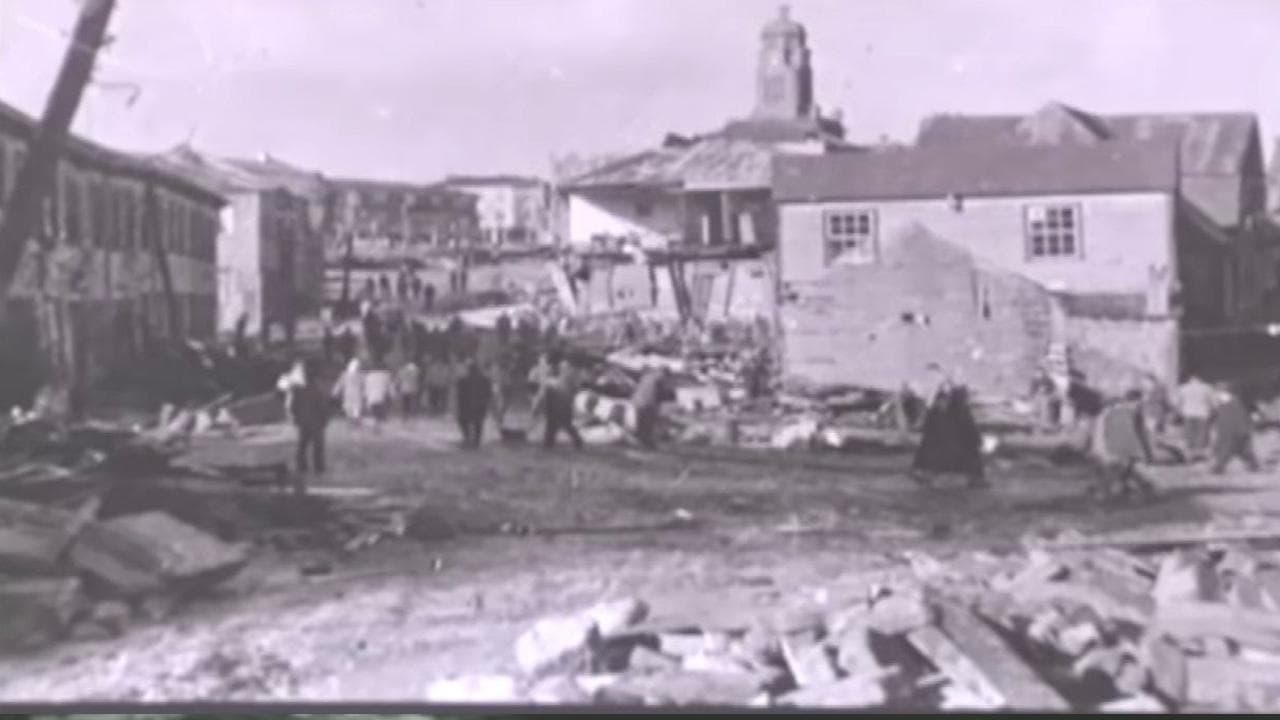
(1020, 686)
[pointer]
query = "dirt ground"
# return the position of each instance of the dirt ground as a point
(392, 618)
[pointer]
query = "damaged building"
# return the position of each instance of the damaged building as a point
(993, 262)
(270, 246)
(701, 207)
(121, 238)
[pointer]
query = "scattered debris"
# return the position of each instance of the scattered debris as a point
(1050, 629)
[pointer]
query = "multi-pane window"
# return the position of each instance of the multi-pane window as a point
(1053, 231)
(850, 234)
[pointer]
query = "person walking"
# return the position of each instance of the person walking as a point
(1155, 405)
(409, 383)
(950, 441)
(1195, 404)
(379, 391)
(437, 377)
(350, 389)
(474, 391)
(560, 388)
(1120, 444)
(311, 418)
(647, 400)
(1232, 432)
(502, 374)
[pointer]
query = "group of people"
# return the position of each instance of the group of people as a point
(1120, 436)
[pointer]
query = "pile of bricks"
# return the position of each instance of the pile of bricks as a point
(1066, 626)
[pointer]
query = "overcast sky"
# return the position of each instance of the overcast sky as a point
(415, 89)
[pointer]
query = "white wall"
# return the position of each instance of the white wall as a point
(1122, 235)
(591, 215)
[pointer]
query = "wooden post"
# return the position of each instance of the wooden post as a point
(36, 176)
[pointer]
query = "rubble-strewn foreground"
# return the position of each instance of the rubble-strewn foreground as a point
(1067, 624)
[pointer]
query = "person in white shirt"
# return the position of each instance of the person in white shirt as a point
(1195, 405)
(379, 389)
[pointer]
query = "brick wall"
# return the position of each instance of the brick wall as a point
(853, 324)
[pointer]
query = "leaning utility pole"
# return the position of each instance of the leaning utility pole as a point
(35, 178)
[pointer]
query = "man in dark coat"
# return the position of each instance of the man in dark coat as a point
(1120, 444)
(1232, 432)
(310, 410)
(503, 328)
(475, 392)
(950, 441)
(647, 400)
(559, 387)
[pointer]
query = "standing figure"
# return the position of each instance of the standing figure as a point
(1120, 444)
(503, 328)
(560, 388)
(288, 384)
(408, 382)
(1155, 405)
(328, 343)
(474, 392)
(647, 400)
(950, 441)
(379, 389)
(1195, 404)
(437, 378)
(311, 417)
(1232, 432)
(428, 297)
(350, 389)
(502, 371)
(1045, 396)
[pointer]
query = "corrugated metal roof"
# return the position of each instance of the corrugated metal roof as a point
(1214, 146)
(936, 172)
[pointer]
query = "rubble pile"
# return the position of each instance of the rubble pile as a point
(1184, 619)
(103, 525)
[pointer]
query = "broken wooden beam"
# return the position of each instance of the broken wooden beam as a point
(939, 650)
(1021, 687)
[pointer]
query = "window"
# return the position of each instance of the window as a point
(1053, 231)
(73, 208)
(850, 234)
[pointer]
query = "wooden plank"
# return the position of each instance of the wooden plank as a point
(809, 662)
(691, 688)
(1233, 685)
(1021, 687)
(33, 537)
(854, 692)
(1190, 620)
(1170, 535)
(949, 660)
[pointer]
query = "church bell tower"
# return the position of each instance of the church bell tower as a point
(784, 79)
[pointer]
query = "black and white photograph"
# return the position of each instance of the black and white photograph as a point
(498, 356)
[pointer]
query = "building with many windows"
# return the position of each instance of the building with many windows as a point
(118, 230)
(270, 241)
(510, 209)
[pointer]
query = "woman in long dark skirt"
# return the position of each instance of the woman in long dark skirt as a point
(950, 441)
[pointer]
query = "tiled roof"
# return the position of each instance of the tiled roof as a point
(478, 180)
(82, 150)
(936, 172)
(707, 163)
(1214, 146)
(769, 130)
(274, 172)
(711, 163)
